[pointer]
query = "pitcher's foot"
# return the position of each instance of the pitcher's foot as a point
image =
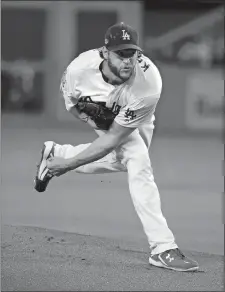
(43, 176)
(174, 259)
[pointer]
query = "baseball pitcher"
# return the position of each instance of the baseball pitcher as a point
(115, 89)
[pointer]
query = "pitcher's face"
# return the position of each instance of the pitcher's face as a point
(122, 63)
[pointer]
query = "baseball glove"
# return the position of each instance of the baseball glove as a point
(98, 112)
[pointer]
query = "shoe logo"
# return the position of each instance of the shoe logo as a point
(169, 258)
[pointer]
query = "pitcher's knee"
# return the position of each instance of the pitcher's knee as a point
(139, 164)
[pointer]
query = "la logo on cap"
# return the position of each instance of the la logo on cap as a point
(125, 35)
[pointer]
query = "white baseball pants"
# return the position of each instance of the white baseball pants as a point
(132, 156)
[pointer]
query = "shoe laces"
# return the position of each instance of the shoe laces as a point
(177, 252)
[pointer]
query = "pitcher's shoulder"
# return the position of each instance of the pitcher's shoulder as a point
(148, 67)
(148, 76)
(86, 61)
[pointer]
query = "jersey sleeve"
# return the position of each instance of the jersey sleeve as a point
(70, 93)
(137, 113)
(68, 88)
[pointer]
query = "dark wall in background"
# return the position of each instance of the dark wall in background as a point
(92, 35)
(23, 34)
(192, 5)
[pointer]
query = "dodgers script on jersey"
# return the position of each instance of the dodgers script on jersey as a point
(133, 102)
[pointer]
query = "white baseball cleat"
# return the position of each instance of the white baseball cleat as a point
(174, 259)
(43, 176)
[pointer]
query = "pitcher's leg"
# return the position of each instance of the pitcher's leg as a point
(146, 199)
(145, 195)
(146, 133)
(107, 164)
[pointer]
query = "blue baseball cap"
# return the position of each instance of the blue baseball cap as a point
(121, 36)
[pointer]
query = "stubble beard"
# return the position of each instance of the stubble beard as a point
(116, 72)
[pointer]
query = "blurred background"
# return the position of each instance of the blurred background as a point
(185, 39)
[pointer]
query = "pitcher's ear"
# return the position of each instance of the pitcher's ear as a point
(105, 52)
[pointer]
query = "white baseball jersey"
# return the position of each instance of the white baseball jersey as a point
(134, 101)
